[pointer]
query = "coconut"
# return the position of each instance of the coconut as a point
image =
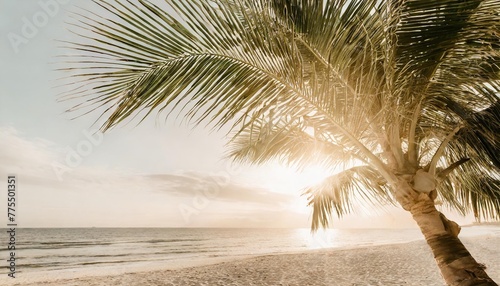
(424, 182)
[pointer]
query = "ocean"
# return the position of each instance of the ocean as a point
(72, 252)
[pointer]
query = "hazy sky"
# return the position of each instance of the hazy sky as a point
(163, 174)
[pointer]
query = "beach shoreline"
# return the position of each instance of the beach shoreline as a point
(408, 263)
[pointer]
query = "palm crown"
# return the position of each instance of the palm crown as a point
(403, 95)
(381, 88)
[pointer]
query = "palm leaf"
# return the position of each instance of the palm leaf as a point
(340, 193)
(470, 192)
(442, 60)
(394, 85)
(223, 67)
(292, 143)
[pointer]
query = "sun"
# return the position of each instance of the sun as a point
(312, 175)
(285, 179)
(279, 178)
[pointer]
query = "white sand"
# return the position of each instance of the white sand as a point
(398, 264)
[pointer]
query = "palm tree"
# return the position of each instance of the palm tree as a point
(403, 95)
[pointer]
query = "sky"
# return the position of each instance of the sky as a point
(157, 174)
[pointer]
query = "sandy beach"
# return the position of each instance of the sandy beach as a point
(397, 264)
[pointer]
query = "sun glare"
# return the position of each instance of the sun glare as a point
(323, 238)
(289, 180)
(313, 175)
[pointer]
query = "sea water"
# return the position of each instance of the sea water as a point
(73, 252)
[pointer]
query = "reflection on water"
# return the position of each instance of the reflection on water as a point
(320, 239)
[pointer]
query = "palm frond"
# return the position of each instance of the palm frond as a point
(427, 31)
(470, 191)
(380, 83)
(227, 62)
(293, 143)
(204, 66)
(482, 134)
(448, 52)
(341, 193)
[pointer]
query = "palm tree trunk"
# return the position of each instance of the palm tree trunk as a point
(456, 264)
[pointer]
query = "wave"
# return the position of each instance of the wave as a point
(81, 244)
(81, 256)
(59, 245)
(112, 262)
(64, 249)
(153, 241)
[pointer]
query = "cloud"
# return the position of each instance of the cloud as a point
(219, 187)
(17, 151)
(109, 196)
(38, 161)
(27, 158)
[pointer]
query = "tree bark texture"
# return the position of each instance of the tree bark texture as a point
(456, 264)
